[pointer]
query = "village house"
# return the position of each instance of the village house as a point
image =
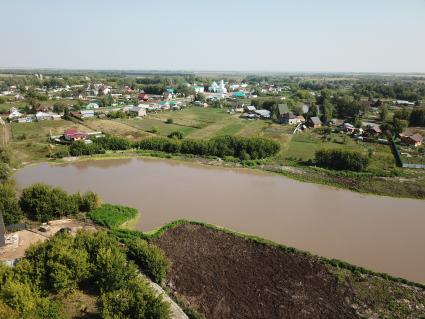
(91, 106)
(282, 109)
(289, 118)
(264, 114)
(348, 128)
(14, 113)
(413, 140)
(314, 122)
(250, 109)
(73, 135)
(198, 89)
(373, 130)
(137, 111)
(167, 96)
(239, 95)
(143, 96)
(47, 116)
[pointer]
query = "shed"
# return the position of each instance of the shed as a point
(314, 122)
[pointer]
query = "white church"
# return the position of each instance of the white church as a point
(218, 88)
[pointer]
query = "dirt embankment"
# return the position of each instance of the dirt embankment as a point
(224, 276)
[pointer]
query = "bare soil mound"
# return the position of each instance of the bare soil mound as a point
(226, 276)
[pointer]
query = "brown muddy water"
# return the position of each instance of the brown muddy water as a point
(381, 233)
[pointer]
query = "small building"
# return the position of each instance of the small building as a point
(46, 116)
(349, 128)
(373, 130)
(166, 96)
(143, 96)
(314, 122)
(414, 140)
(290, 118)
(73, 135)
(282, 109)
(264, 114)
(250, 109)
(91, 106)
(137, 111)
(198, 89)
(86, 114)
(301, 118)
(239, 95)
(14, 114)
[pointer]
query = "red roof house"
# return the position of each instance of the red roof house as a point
(73, 134)
(143, 96)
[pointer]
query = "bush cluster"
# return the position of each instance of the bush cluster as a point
(42, 202)
(80, 148)
(151, 259)
(244, 148)
(341, 159)
(241, 147)
(65, 263)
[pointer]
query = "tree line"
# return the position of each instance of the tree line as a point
(341, 159)
(244, 148)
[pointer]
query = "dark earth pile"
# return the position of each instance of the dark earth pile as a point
(224, 276)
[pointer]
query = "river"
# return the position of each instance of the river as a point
(381, 233)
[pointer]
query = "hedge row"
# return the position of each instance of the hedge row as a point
(245, 148)
(341, 159)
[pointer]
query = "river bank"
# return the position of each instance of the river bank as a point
(364, 183)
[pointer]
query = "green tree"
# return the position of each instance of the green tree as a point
(42, 202)
(112, 271)
(9, 206)
(383, 113)
(328, 110)
(134, 301)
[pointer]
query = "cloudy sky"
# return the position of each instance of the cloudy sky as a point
(226, 35)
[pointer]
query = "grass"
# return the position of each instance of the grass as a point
(112, 216)
(146, 124)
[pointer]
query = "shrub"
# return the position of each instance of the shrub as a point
(42, 202)
(89, 201)
(341, 159)
(113, 143)
(150, 258)
(80, 148)
(135, 300)
(60, 154)
(112, 215)
(176, 134)
(169, 121)
(154, 130)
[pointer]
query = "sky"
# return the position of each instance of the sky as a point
(219, 35)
